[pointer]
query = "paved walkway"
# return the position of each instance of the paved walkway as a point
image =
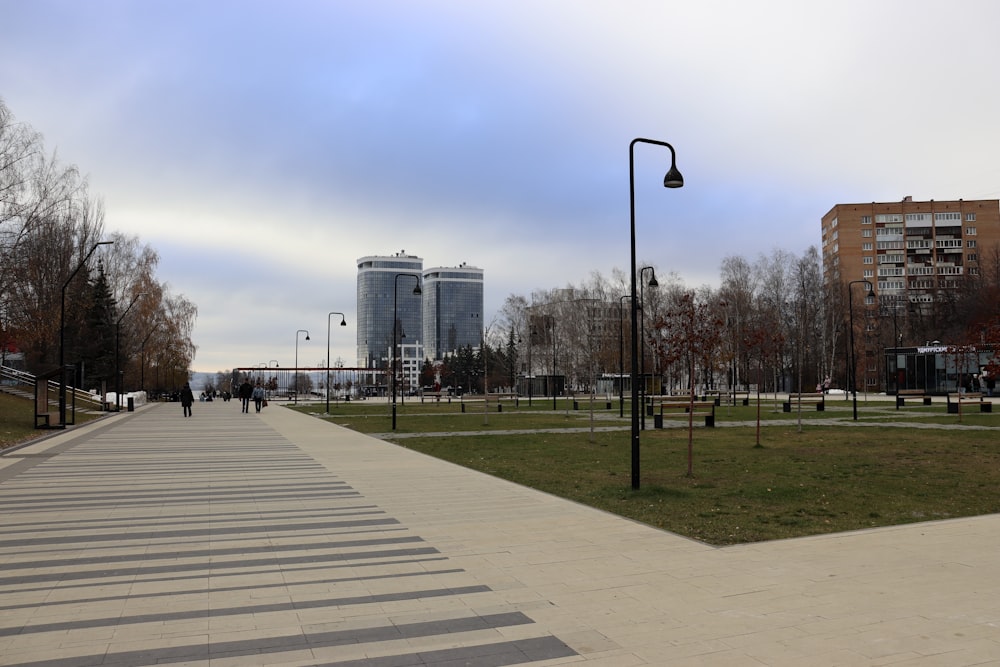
(231, 539)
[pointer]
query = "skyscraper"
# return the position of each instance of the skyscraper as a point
(452, 309)
(380, 294)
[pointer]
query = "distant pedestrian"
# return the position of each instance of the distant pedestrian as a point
(258, 396)
(187, 399)
(245, 393)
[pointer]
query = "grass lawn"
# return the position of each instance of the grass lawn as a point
(824, 478)
(17, 420)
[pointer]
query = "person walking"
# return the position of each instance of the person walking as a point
(187, 399)
(246, 392)
(258, 396)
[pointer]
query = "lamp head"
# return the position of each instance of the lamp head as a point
(417, 290)
(307, 337)
(343, 321)
(673, 179)
(652, 281)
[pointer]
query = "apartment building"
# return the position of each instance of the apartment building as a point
(912, 252)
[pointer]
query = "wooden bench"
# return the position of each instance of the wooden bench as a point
(904, 394)
(496, 398)
(436, 395)
(584, 403)
(955, 402)
(732, 396)
(652, 400)
(817, 399)
(47, 420)
(671, 408)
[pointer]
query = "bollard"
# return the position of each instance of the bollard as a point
(131, 404)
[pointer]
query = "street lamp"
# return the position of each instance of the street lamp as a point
(118, 338)
(531, 380)
(642, 336)
(673, 179)
(142, 357)
(621, 355)
(853, 374)
(62, 335)
(343, 323)
(552, 334)
(295, 372)
(395, 319)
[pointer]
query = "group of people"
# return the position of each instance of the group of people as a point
(248, 391)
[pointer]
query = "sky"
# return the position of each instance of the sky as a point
(261, 148)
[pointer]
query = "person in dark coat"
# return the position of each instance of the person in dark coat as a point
(246, 391)
(187, 399)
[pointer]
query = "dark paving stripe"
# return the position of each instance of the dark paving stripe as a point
(306, 641)
(211, 567)
(196, 532)
(501, 654)
(165, 617)
(178, 554)
(132, 595)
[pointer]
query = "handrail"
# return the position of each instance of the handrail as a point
(23, 377)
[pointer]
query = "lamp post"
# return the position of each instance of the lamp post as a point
(853, 374)
(118, 338)
(62, 333)
(395, 319)
(642, 336)
(552, 334)
(295, 371)
(531, 336)
(142, 357)
(276, 365)
(673, 179)
(621, 355)
(343, 323)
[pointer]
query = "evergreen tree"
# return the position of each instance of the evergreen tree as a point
(97, 359)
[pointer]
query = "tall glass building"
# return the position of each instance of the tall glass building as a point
(453, 309)
(378, 292)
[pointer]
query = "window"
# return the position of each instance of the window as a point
(836, 235)
(947, 216)
(970, 217)
(866, 220)
(889, 217)
(970, 231)
(972, 257)
(971, 243)
(866, 246)
(869, 260)
(866, 233)
(869, 273)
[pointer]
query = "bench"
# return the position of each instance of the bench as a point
(955, 402)
(731, 396)
(497, 397)
(436, 395)
(47, 420)
(655, 399)
(584, 403)
(670, 408)
(817, 399)
(904, 394)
